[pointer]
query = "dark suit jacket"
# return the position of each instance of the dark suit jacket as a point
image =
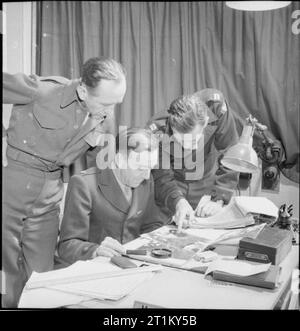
(171, 184)
(96, 207)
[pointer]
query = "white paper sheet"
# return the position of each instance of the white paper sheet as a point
(108, 288)
(48, 298)
(257, 205)
(82, 271)
(58, 287)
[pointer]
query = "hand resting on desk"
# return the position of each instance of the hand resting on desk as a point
(109, 247)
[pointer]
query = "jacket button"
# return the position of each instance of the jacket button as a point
(75, 126)
(85, 249)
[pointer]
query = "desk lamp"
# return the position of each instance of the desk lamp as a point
(242, 157)
(256, 5)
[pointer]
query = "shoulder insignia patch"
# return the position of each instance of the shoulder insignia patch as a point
(219, 109)
(216, 97)
(153, 127)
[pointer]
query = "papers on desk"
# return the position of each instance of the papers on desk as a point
(238, 213)
(233, 236)
(245, 273)
(82, 281)
(237, 267)
(197, 240)
(186, 246)
(256, 205)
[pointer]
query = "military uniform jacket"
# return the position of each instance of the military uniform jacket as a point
(46, 122)
(219, 134)
(96, 207)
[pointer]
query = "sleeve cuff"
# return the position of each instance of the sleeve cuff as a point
(173, 198)
(88, 250)
(221, 193)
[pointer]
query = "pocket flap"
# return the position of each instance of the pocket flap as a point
(47, 118)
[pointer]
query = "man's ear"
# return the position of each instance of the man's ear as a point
(82, 92)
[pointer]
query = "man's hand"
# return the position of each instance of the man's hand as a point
(109, 247)
(184, 212)
(4, 146)
(206, 207)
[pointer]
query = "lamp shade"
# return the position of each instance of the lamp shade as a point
(242, 157)
(257, 5)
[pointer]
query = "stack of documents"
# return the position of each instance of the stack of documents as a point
(238, 213)
(97, 279)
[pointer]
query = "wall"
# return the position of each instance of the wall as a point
(19, 56)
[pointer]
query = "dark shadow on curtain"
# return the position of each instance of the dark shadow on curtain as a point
(173, 48)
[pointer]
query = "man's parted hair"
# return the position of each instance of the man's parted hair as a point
(98, 68)
(186, 112)
(133, 139)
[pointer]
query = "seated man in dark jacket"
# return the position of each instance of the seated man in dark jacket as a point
(193, 133)
(108, 206)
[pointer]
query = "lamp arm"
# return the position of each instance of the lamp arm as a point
(271, 151)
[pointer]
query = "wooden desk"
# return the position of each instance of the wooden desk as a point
(173, 288)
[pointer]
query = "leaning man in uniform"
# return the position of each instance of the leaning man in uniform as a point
(53, 121)
(193, 132)
(108, 207)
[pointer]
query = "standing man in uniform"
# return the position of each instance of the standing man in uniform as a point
(201, 126)
(54, 120)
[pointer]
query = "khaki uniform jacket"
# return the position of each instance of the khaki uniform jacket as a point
(96, 207)
(46, 127)
(219, 134)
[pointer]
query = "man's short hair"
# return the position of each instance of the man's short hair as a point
(186, 112)
(136, 139)
(98, 68)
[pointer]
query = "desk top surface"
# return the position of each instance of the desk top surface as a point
(174, 288)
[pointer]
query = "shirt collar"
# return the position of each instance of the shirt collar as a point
(70, 95)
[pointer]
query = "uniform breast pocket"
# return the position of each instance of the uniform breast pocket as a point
(52, 131)
(47, 118)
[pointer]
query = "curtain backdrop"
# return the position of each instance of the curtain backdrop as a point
(174, 48)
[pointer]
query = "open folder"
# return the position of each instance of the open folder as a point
(239, 212)
(245, 272)
(268, 279)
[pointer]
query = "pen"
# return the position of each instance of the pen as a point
(136, 252)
